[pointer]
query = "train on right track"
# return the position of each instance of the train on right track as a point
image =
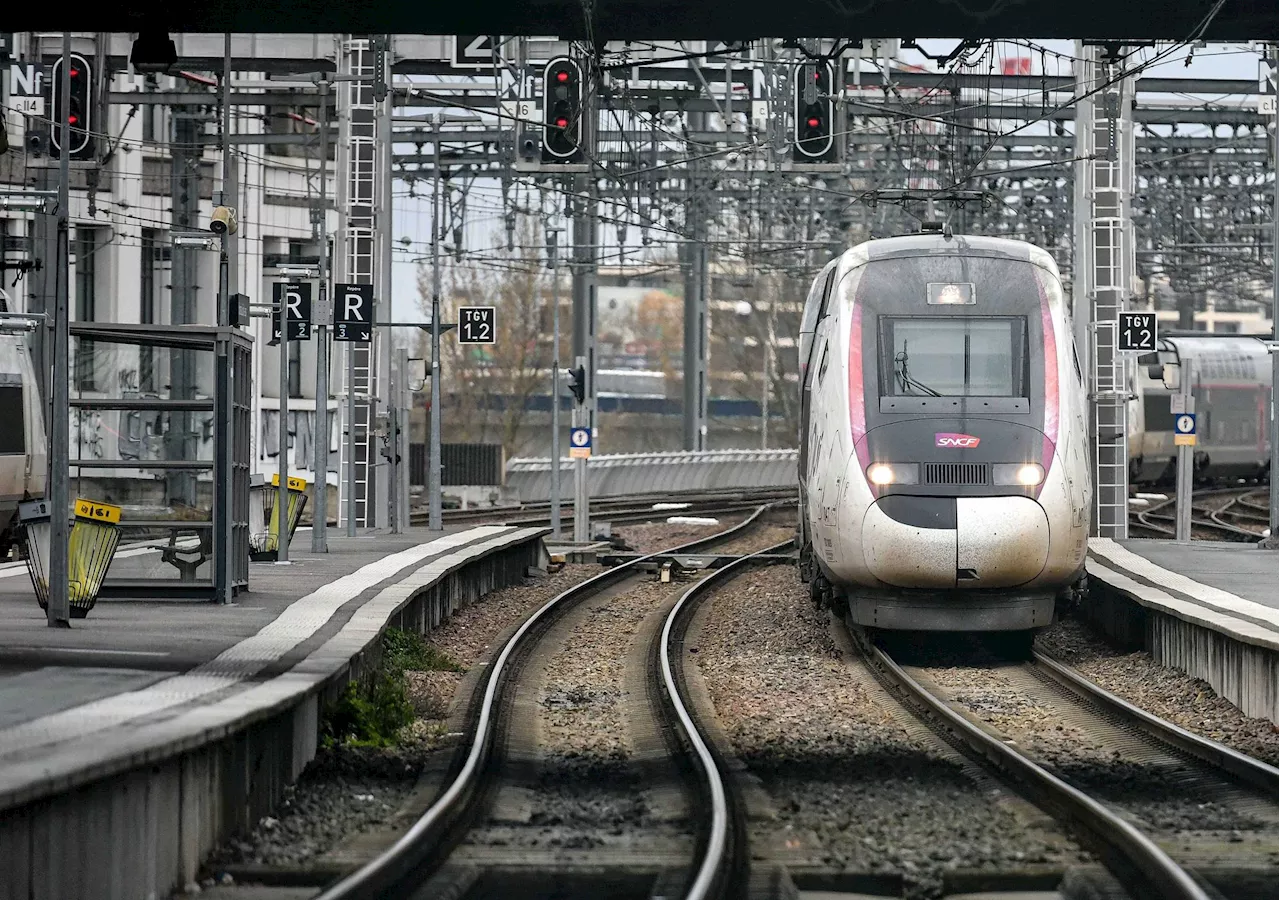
(944, 474)
(1232, 390)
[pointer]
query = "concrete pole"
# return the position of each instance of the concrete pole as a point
(58, 613)
(320, 491)
(435, 514)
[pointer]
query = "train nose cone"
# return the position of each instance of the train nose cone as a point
(966, 542)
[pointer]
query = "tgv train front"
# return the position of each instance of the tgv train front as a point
(947, 485)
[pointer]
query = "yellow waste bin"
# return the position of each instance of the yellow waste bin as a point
(264, 541)
(94, 536)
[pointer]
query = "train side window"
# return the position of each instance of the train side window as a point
(1075, 358)
(822, 369)
(826, 293)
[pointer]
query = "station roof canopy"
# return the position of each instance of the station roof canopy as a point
(729, 20)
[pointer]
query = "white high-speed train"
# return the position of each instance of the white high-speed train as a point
(23, 448)
(1232, 385)
(944, 482)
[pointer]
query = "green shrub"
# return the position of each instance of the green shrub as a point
(372, 714)
(408, 651)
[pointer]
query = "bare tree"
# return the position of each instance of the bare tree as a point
(486, 388)
(750, 351)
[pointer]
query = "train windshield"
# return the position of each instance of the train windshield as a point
(953, 356)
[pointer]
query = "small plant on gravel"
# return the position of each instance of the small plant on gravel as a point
(369, 717)
(408, 651)
(373, 714)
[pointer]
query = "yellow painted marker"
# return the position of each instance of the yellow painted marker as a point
(97, 512)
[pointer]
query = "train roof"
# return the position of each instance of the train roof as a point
(929, 244)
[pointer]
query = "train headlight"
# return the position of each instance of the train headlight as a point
(1024, 474)
(883, 474)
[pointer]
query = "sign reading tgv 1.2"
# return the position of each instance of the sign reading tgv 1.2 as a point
(477, 325)
(1137, 331)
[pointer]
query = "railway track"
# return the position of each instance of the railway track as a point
(1235, 514)
(1172, 814)
(470, 843)
(619, 510)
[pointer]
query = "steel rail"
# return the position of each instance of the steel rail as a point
(714, 872)
(379, 877)
(1105, 826)
(1245, 768)
(628, 503)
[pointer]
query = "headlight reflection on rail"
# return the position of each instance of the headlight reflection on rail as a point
(1024, 474)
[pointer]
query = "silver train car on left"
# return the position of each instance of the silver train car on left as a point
(944, 482)
(23, 448)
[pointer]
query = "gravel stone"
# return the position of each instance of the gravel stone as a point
(469, 633)
(346, 790)
(590, 788)
(843, 772)
(654, 536)
(1103, 761)
(1168, 693)
(342, 791)
(759, 539)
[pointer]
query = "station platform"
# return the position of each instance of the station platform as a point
(1210, 609)
(168, 725)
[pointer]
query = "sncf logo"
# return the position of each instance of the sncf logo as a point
(966, 441)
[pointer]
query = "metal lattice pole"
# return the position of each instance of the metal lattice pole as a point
(435, 516)
(59, 609)
(320, 515)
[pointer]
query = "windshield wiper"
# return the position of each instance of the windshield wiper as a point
(905, 381)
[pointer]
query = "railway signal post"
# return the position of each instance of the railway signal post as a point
(1184, 437)
(580, 450)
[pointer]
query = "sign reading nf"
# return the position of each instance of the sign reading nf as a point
(580, 443)
(26, 88)
(1137, 332)
(477, 325)
(353, 312)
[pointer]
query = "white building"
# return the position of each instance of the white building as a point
(122, 259)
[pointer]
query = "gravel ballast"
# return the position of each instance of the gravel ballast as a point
(652, 537)
(347, 790)
(1168, 693)
(597, 746)
(1160, 791)
(853, 779)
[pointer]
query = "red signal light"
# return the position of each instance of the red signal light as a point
(814, 122)
(75, 73)
(562, 76)
(562, 122)
(73, 118)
